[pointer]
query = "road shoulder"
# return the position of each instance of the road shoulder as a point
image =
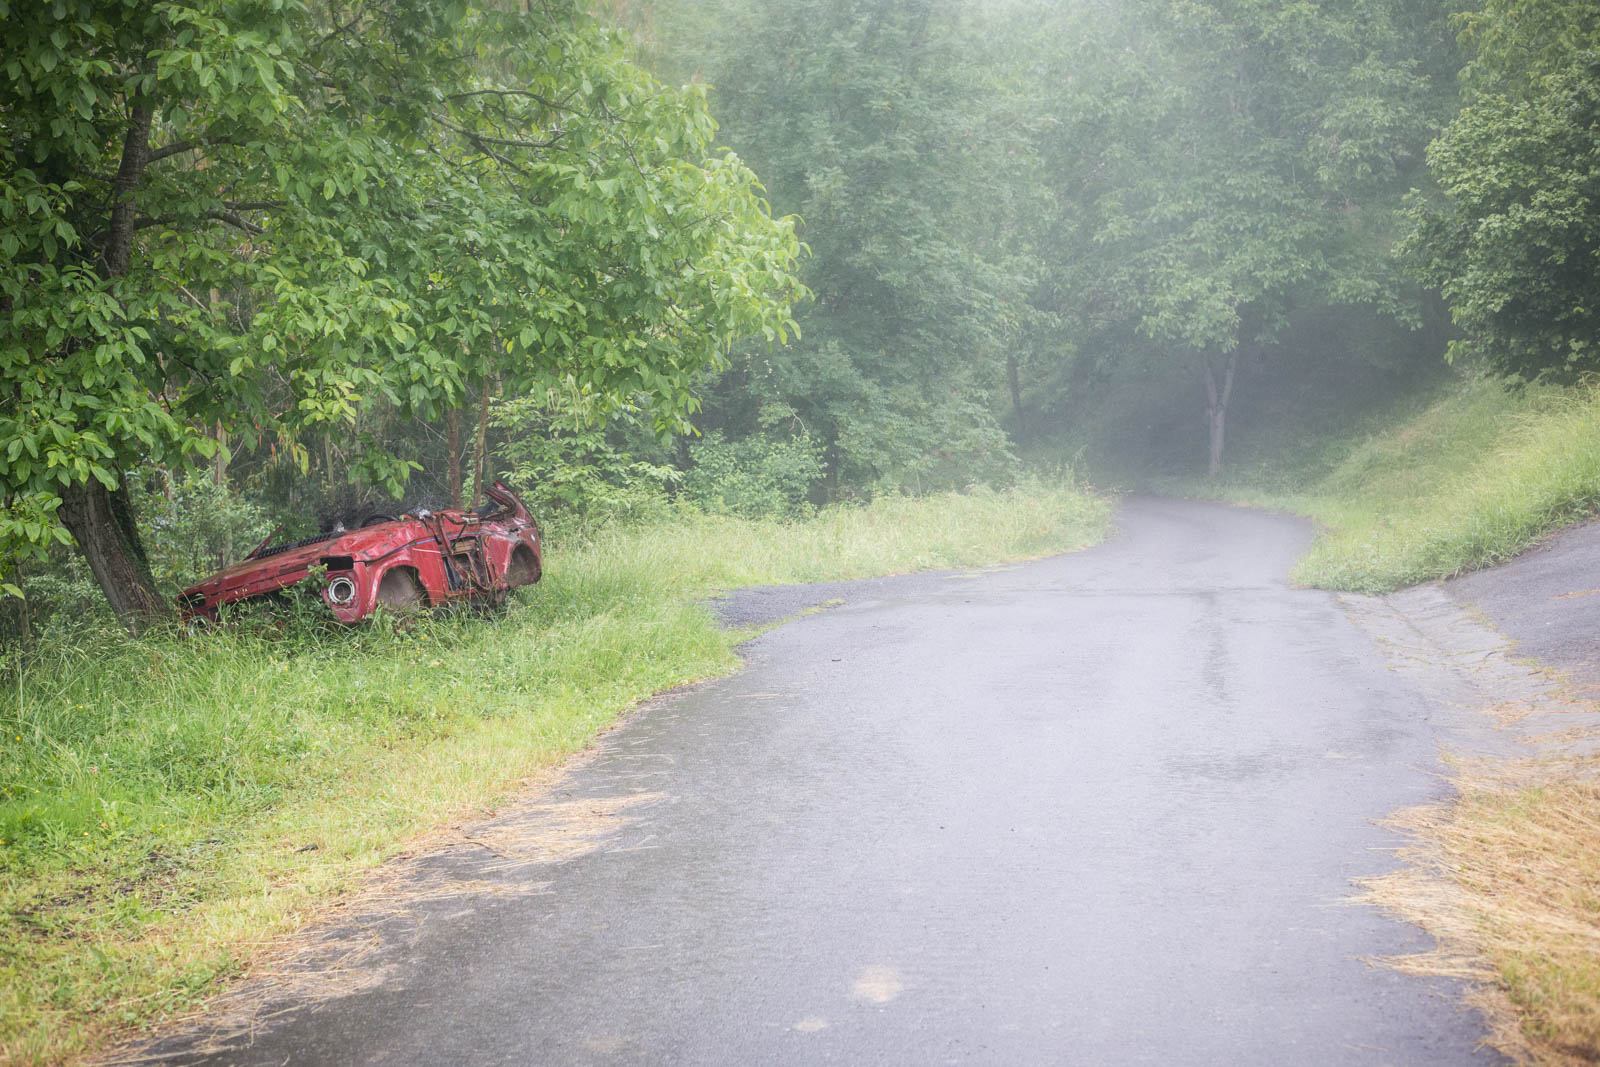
(1504, 874)
(1547, 600)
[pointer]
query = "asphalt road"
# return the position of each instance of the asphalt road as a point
(1100, 809)
(1548, 601)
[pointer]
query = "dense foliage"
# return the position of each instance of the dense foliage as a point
(234, 222)
(274, 259)
(1021, 212)
(1514, 239)
(883, 125)
(1234, 165)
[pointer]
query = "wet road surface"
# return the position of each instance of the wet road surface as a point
(1100, 809)
(1548, 601)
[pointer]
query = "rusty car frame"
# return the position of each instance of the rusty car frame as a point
(397, 562)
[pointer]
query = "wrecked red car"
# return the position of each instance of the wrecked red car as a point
(401, 562)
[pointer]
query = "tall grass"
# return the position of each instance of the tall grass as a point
(698, 553)
(1471, 481)
(167, 802)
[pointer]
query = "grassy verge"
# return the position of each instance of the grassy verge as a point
(1469, 482)
(167, 805)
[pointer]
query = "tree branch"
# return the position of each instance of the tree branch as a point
(339, 31)
(481, 139)
(228, 217)
(179, 147)
(234, 220)
(524, 93)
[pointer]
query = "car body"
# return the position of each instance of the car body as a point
(400, 563)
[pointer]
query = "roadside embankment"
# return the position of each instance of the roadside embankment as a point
(1483, 489)
(1470, 481)
(1524, 839)
(170, 806)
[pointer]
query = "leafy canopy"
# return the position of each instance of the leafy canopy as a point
(1513, 241)
(895, 130)
(266, 215)
(1223, 159)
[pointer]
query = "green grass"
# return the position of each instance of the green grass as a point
(1468, 482)
(167, 804)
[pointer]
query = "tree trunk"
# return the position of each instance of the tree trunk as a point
(1016, 395)
(480, 461)
(102, 524)
(118, 251)
(1218, 425)
(1217, 396)
(219, 478)
(454, 480)
(101, 521)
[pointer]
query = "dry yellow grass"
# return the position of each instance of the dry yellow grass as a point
(1507, 877)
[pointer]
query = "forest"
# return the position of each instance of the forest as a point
(730, 292)
(311, 262)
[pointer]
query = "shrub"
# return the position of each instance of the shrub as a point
(755, 477)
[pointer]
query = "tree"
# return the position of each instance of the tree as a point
(890, 128)
(1219, 165)
(266, 215)
(1513, 240)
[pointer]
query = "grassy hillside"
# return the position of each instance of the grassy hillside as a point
(1468, 481)
(168, 803)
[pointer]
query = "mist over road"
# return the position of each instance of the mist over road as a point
(1102, 808)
